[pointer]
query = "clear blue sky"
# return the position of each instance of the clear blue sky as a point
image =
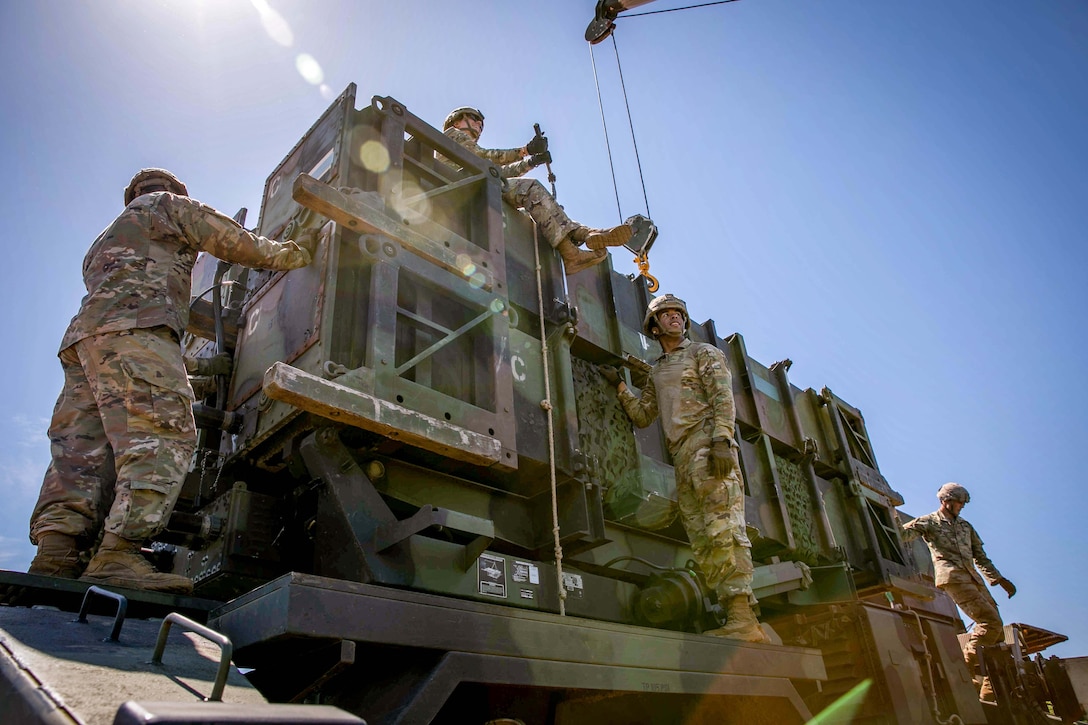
(892, 194)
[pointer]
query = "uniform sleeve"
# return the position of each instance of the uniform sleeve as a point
(642, 410)
(718, 384)
(509, 161)
(208, 230)
(914, 529)
(516, 169)
(982, 561)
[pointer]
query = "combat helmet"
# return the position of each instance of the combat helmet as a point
(455, 116)
(954, 492)
(148, 180)
(660, 304)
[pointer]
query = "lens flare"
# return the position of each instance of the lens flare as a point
(411, 204)
(465, 264)
(274, 24)
(309, 69)
(374, 157)
(844, 709)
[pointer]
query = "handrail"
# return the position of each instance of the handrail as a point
(119, 618)
(226, 649)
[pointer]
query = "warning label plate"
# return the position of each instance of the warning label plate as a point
(491, 574)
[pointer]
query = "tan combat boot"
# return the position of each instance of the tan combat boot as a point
(58, 555)
(119, 563)
(986, 691)
(575, 259)
(742, 622)
(600, 238)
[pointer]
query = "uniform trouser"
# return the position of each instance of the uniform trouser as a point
(712, 511)
(978, 604)
(122, 436)
(530, 195)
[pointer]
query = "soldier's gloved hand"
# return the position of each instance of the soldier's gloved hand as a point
(1008, 586)
(611, 375)
(723, 458)
(538, 145)
(220, 364)
(544, 157)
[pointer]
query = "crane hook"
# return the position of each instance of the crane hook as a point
(643, 262)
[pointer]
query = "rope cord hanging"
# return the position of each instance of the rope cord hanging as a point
(546, 404)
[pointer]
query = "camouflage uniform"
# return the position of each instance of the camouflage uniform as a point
(510, 162)
(691, 388)
(122, 433)
(956, 549)
(522, 193)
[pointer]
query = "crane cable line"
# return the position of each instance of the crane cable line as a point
(630, 123)
(673, 10)
(630, 120)
(641, 258)
(607, 143)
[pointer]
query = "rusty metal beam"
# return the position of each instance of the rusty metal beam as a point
(345, 405)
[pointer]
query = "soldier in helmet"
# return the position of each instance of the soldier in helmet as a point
(690, 388)
(122, 432)
(956, 550)
(464, 125)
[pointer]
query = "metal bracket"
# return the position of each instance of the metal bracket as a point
(450, 336)
(346, 651)
(388, 535)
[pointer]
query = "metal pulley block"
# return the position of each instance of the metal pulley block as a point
(643, 235)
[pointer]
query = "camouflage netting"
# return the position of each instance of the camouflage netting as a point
(799, 506)
(631, 495)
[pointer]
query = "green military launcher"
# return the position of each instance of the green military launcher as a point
(420, 502)
(434, 343)
(419, 414)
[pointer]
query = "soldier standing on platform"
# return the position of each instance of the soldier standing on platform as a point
(122, 433)
(690, 388)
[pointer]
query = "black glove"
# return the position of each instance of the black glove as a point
(541, 158)
(723, 458)
(611, 375)
(220, 364)
(538, 145)
(1008, 586)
